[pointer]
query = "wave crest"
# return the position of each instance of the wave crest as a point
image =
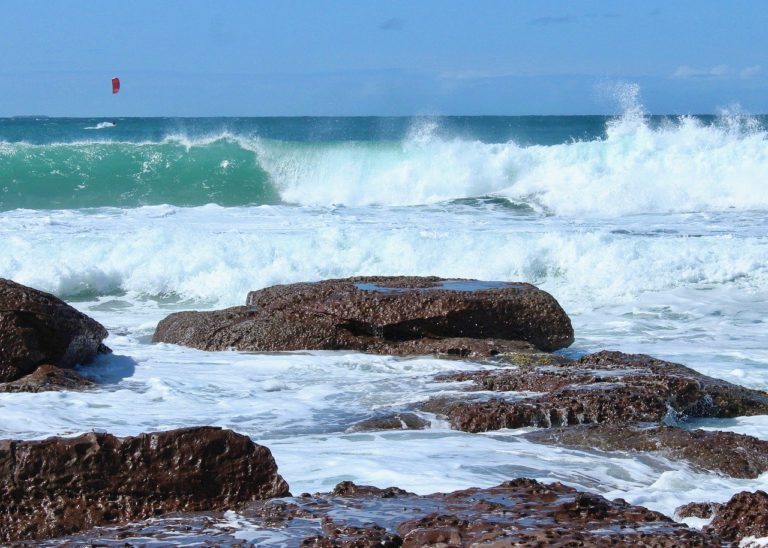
(640, 165)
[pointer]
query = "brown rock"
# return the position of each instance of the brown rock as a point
(386, 315)
(606, 387)
(703, 510)
(398, 421)
(61, 485)
(521, 512)
(48, 378)
(736, 455)
(745, 515)
(37, 328)
(351, 489)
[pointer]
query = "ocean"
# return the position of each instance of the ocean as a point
(651, 231)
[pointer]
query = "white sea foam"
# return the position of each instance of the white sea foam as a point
(218, 254)
(681, 165)
(684, 165)
(147, 388)
(101, 125)
(691, 286)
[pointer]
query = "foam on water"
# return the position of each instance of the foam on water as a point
(688, 287)
(301, 404)
(217, 255)
(640, 165)
(653, 237)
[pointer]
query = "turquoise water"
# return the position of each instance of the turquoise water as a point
(82, 163)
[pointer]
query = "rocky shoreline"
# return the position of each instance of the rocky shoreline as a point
(190, 481)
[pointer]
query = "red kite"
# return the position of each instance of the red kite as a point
(115, 85)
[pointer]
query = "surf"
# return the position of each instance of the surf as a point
(632, 164)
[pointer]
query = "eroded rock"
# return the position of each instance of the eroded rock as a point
(602, 388)
(735, 455)
(58, 486)
(519, 512)
(397, 421)
(385, 315)
(38, 328)
(745, 515)
(47, 378)
(702, 510)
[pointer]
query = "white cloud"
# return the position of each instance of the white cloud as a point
(472, 74)
(750, 72)
(715, 72)
(718, 71)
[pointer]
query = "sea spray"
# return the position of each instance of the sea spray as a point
(631, 164)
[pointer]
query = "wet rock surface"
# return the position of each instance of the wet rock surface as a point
(37, 328)
(47, 378)
(602, 388)
(702, 510)
(397, 421)
(745, 515)
(735, 455)
(386, 315)
(59, 486)
(518, 512)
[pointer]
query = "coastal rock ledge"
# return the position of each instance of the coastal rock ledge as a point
(37, 328)
(59, 486)
(382, 315)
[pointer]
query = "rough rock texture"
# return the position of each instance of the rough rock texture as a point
(38, 328)
(606, 387)
(58, 486)
(398, 421)
(48, 378)
(351, 489)
(703, 510)
(386, 315)
(519, 512)
(736, 455)
(745, 515)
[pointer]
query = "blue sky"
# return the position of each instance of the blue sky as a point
(366, 57)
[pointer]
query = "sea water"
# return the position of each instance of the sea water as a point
(650, 231)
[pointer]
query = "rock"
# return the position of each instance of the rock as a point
(735, 455)
(350, 489)
(521, 512)
(385, 315)
(602, 388)
(59, 486)
(336, 535)
(48, 378)
(398, 421)
(702, 510)
(525, 512)
(38, 328)
(745, 515)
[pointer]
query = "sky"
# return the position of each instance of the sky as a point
(377, 57)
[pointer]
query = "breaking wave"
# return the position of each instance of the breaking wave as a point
(639, 165)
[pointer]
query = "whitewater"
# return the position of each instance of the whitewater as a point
(650, 231)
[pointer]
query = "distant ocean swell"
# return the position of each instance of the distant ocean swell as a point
(685, 165)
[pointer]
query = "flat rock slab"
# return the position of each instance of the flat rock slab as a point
(735, 455)
(38, 328)
(602, 388)
(521, 512)
(384, 315)
(58, 486)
